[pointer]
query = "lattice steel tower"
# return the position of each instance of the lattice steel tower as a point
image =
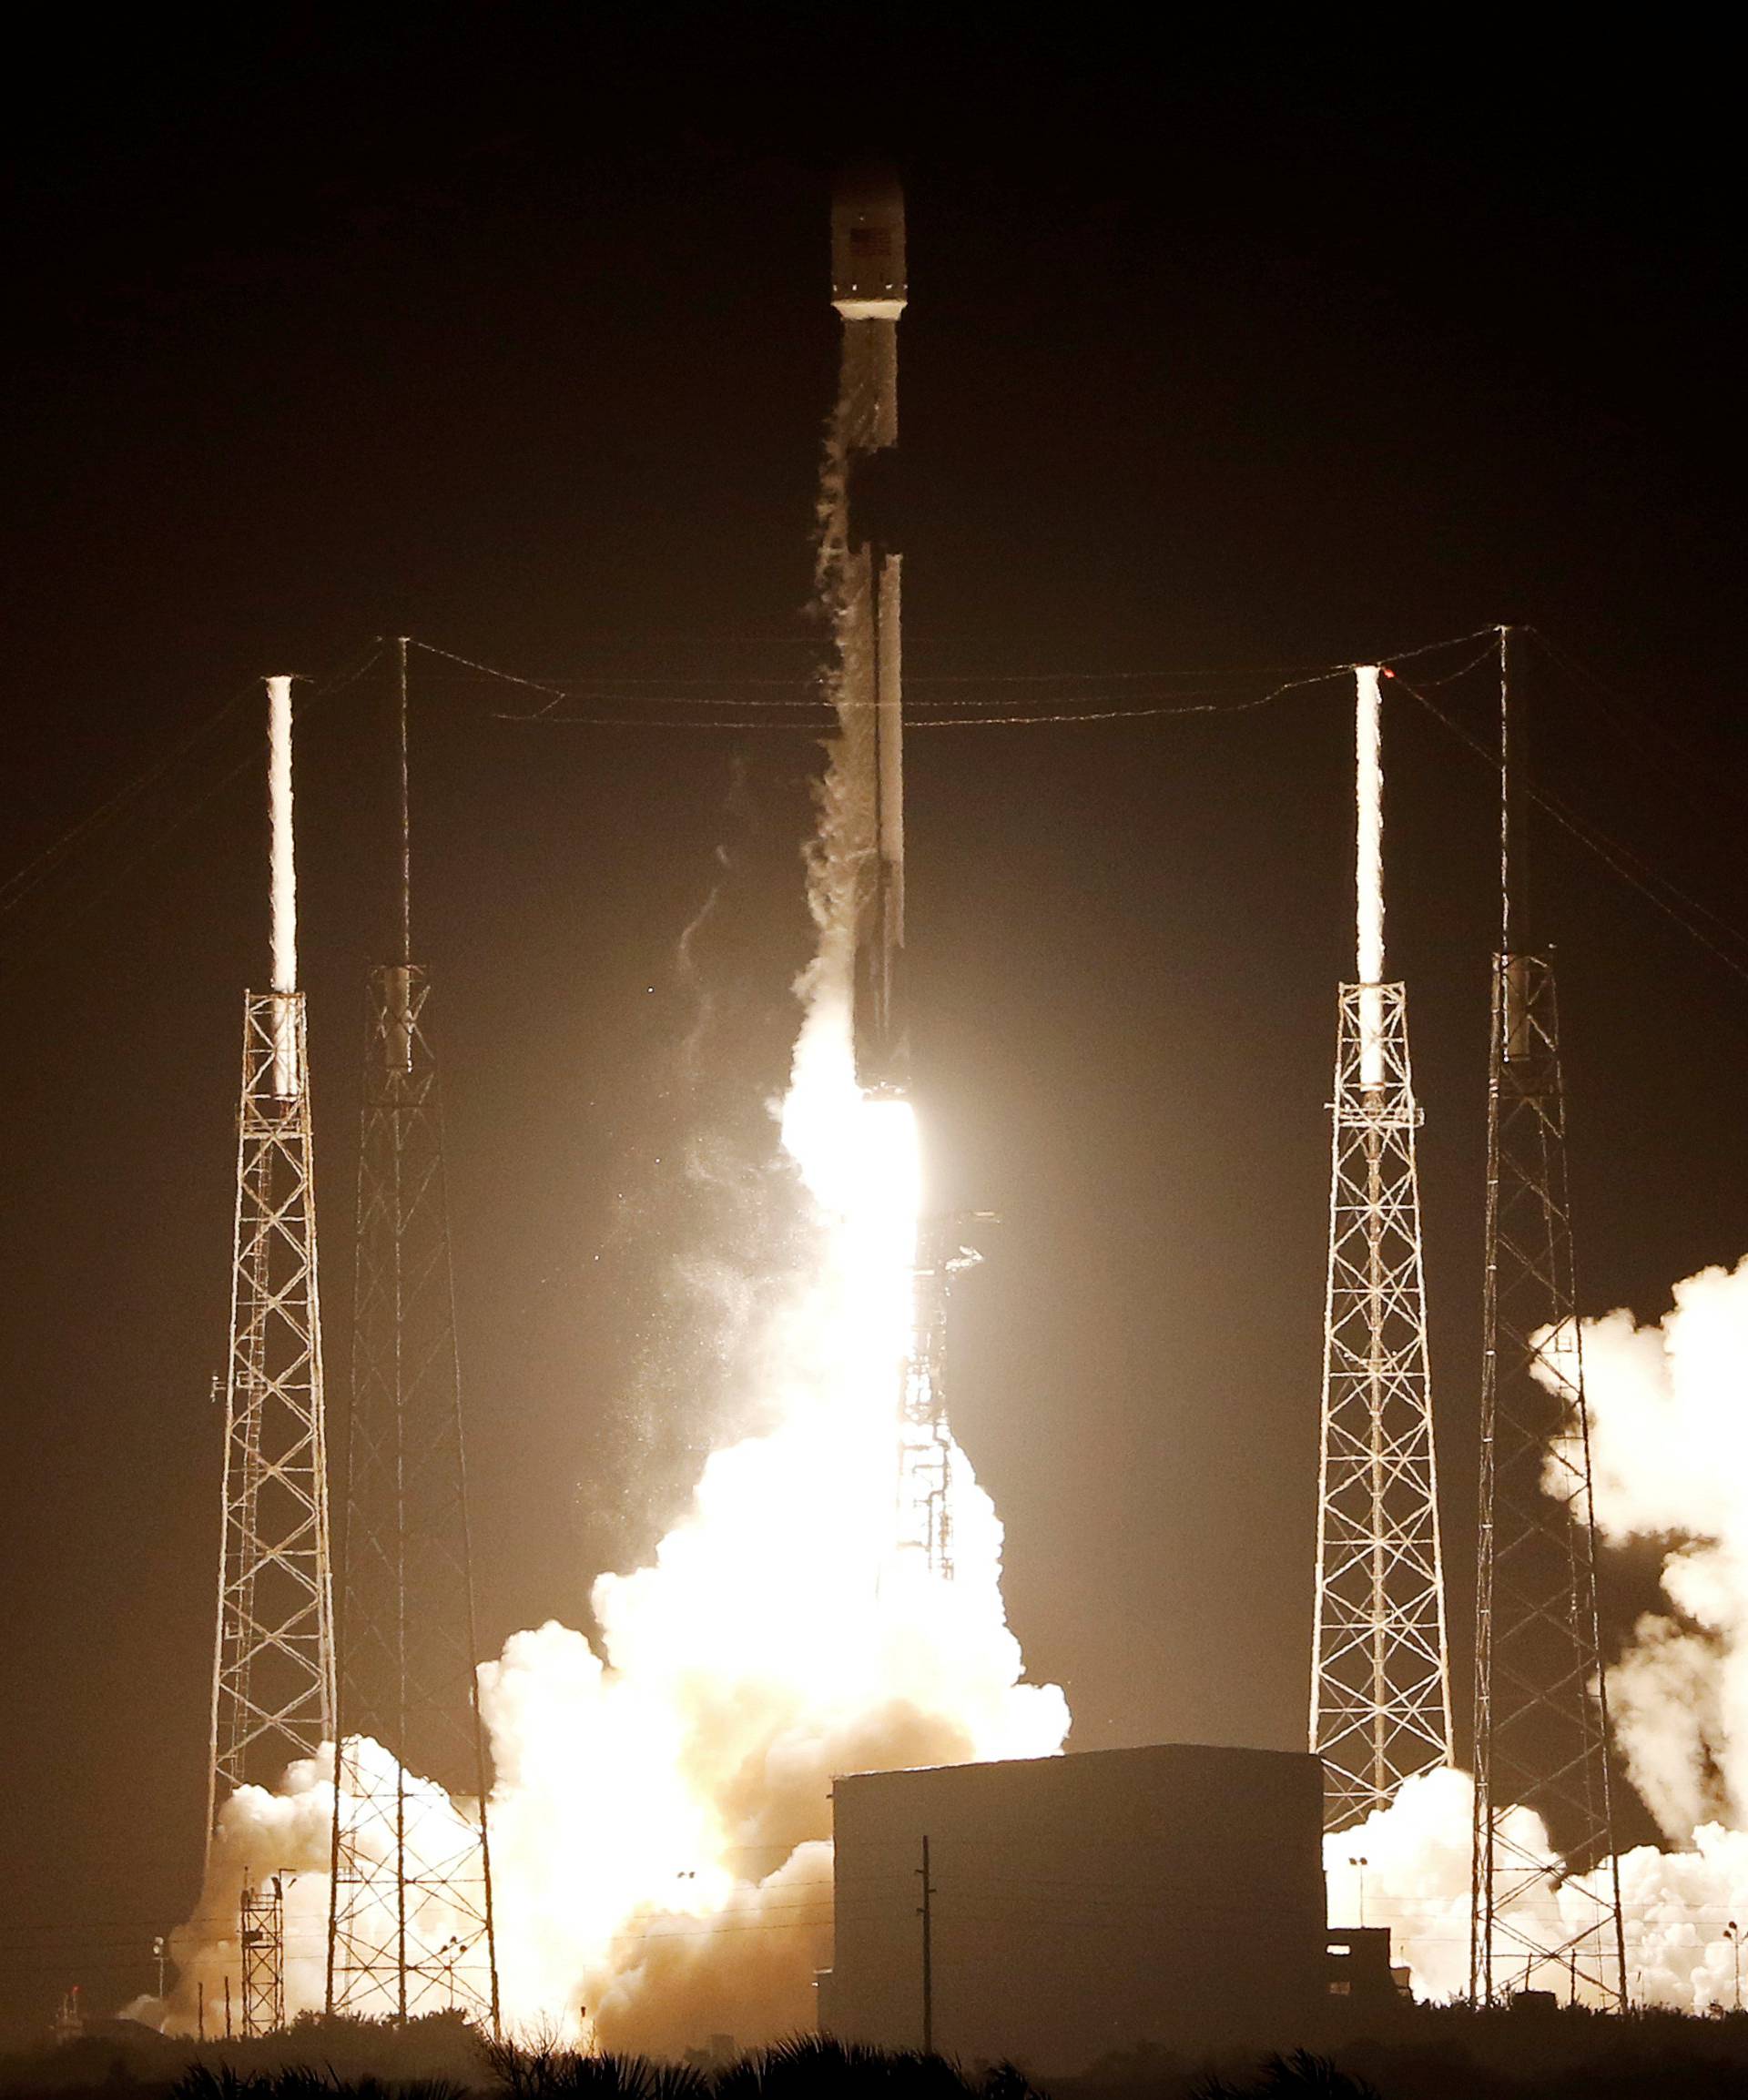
(273, 1653)
(411, 1926)
(926, 1448)
(1380, 1672)
(260, 1940)
(1541, 1735)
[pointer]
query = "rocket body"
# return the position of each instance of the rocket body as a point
(869, 290)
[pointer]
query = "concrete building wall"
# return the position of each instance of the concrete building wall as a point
(1082, 1903)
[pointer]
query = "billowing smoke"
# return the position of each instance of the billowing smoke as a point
(662, 1803)
(1669, 1442)
(661, 1817)
(1669, 1437)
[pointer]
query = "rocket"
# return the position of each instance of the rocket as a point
(868, 291)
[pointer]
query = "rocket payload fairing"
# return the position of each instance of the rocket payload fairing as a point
(868, 291)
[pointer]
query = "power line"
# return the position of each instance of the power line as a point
(1614, 855)
(13, 896)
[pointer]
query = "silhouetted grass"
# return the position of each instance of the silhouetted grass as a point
(1300, 2077)
(1413, 2052)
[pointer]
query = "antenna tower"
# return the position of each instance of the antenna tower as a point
(409, 1924)
(273, 1653)
(1541, 1735)
(1380, 1672)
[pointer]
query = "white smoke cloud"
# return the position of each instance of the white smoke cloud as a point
(287, 1832)
(1667, 1406)
(1669, 1441)
(661, 1807)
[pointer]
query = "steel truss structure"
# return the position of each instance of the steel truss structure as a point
(273, 1658)
(1380, 1672)
(411, 1924)
(260, 1933)
(925, 1436)
(1541, 1737)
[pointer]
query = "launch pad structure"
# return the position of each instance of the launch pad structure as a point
(260, 1941)
(273, 1689)
(1545, 1886)
(410, 1923)
(1380, 1669)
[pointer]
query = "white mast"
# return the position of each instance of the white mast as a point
(1369, 874)
(287, 1079)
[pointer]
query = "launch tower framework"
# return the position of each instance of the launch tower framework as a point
(925, 1434)
(1380, 1670)
(1541, 1735)
(410, 1925)
(273, 1657)
(1380, 1701)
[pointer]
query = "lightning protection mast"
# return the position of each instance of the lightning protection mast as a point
(411, 1928)
(273, 1655)
(1546, 1887)
(1380, 1673)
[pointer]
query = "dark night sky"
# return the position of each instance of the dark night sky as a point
(511, 333)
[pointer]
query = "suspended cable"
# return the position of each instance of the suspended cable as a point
(106, 884)
(1611, 852)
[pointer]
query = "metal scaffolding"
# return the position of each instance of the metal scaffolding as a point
(273, 1660)
(411, 1926)
(1381, 1669)
(1546, 1888)
(260, 1934)
(1380, 1674)
(925, 1436)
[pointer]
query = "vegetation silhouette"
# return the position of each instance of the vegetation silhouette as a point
(1534, 2052)
(1299, 2076)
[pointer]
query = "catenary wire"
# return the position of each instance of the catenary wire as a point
(1611, 852)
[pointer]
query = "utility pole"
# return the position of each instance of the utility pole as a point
(411, 1886)
(1380, 1669)
(926, 1913)
(1542, 1732)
